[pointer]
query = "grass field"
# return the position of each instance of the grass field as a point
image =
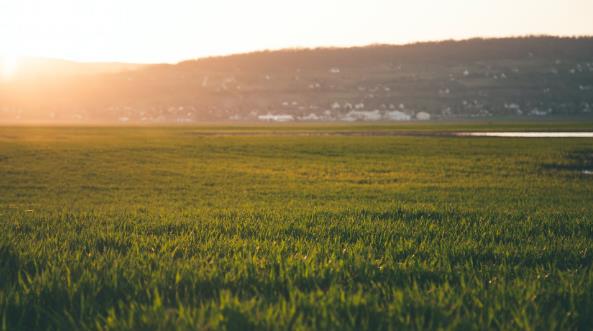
(171, 228)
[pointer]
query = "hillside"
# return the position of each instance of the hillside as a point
(478, 78)
(45, 68)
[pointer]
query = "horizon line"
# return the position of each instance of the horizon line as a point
(302, 48)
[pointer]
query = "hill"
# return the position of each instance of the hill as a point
(528, 76)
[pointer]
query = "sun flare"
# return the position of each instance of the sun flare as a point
(9, 65)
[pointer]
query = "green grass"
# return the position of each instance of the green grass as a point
(162, 228)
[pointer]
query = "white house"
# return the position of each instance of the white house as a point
(275, 118)
(397, 115)
(422, 116)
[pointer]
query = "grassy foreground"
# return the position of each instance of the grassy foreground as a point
(164, 228)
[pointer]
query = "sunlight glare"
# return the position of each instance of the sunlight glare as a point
(9, 66)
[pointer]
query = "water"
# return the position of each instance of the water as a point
(527, 134)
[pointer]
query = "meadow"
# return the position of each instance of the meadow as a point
(149, 228)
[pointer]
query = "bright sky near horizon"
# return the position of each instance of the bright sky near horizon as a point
(173, 30)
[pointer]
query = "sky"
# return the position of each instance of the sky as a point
(150, 31)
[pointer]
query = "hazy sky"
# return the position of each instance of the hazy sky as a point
(172, 30)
